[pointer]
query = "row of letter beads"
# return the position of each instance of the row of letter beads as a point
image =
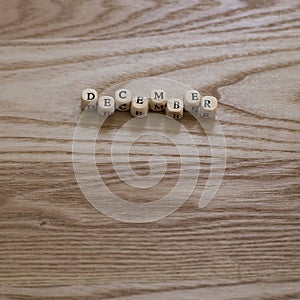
(139, 106)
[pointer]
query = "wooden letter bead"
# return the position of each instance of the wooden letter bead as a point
(89, 98)
(139, 106)
(174, 108)
(192, 100)
(208, 107)
(158, 100)
(106, 105)
(123, 99)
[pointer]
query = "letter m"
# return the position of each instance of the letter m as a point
(158, 95)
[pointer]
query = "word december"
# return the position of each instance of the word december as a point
(139, 106)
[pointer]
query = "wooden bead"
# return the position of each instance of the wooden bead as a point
(208, 107)
(89, 98)
(139, 106)
(174, 108)
(192, 100)
(106, 105)
(158, 100)
(123, 99)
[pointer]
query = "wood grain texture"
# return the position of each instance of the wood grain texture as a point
(244, 245)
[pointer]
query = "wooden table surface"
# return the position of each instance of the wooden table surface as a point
(245, 244)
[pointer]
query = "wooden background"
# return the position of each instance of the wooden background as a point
(244, 245)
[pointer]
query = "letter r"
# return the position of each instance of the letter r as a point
(207, 103)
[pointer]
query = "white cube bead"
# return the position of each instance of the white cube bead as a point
(208, 107)
(123, 99)
(139, 106)
(192, 100)
(106, 105)
(89, 98)
(174, 108)
(158, 100)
